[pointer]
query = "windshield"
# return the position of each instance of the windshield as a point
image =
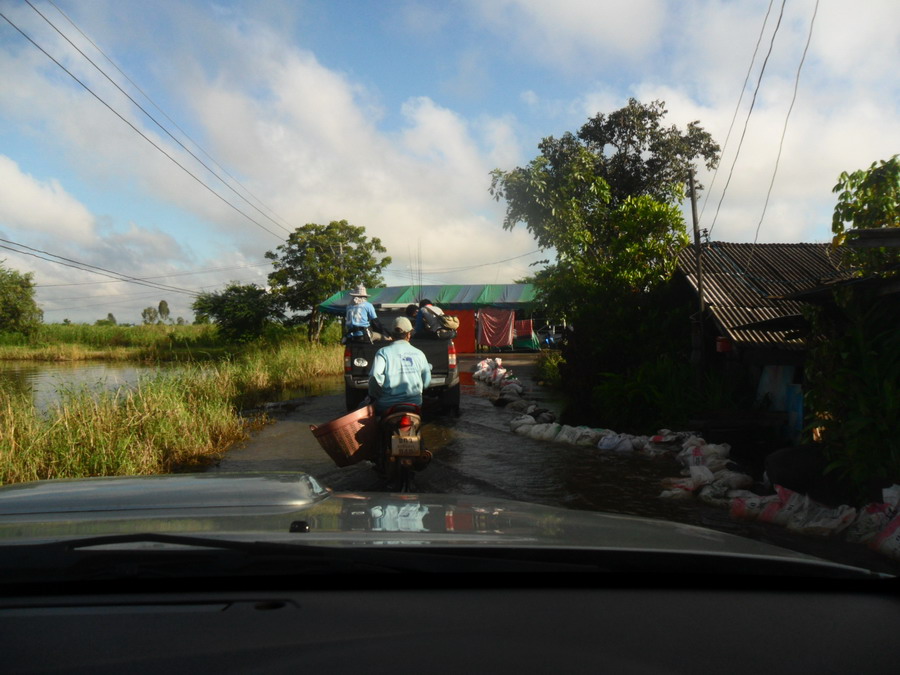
(657, 237)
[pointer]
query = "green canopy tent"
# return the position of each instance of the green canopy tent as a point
(461, 299)
(448, 296)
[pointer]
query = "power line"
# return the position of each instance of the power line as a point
(138, 131)
(161, 276)
(762, 30)
(784, 131)
(164, 114)
(153, 119)
(749, 113)
(87, 267)
(448, 270)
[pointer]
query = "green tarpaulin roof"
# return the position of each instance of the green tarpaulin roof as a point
(448, 296)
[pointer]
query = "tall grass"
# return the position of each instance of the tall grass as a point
(169, 421)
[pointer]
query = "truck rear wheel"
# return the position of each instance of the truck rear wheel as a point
(450, 399)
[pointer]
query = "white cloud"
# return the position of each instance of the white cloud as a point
(576, 35)
(43, 207)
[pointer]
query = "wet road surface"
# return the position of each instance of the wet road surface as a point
(477, 454)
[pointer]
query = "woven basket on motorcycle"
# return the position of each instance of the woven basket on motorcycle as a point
(349, 439)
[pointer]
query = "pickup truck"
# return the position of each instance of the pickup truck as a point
(441, 355)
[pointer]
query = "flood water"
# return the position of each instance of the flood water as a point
(43, 380)
(477, 454)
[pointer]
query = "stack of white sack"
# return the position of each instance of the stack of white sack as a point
(491, 371)
(706, 474)
(539, 423)
(877, 524)
(484, 369)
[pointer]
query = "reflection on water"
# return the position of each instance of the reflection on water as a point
(44, 380)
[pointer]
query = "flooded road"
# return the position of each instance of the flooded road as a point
(477, 454)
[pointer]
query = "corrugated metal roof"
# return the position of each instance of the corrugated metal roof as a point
(743, 283)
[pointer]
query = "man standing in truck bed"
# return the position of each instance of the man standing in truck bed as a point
(400, 372)
(360, 321)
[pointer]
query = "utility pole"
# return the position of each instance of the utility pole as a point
(697, 322)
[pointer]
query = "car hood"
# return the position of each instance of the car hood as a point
(295, 508)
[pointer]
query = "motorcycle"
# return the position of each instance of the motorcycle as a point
(400, 450)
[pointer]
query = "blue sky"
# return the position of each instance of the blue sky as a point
(391, 115)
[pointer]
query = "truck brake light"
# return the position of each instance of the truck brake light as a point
(451, 355)
(347, 356)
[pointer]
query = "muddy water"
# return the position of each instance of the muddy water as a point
(476, 454)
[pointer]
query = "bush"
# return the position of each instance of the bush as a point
(663, 393)
(548, 368)
(854, 386)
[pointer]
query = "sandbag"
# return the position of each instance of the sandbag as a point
(781, 511)
(819, 520)
(521, 421)
(616, 443)
(567, 435)
(888, 540)
(732, 479)
(588, 437)
(750, 507)
(548, 432)
(869, 522)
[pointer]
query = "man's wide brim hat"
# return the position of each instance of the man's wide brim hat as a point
(359, 291)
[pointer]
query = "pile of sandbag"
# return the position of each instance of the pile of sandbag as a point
(876, 525)
(491, 371)
(540, 425)
(708, 473)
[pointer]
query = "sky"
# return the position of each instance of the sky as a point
(198, 134)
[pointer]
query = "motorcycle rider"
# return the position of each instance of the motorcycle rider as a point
(400, 372)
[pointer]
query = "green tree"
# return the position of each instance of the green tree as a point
(868, 199)
(110, 320)
(607, 202)
(317, 261)
(19, 312)
(150, 315)
(241, 312)
(163, 310)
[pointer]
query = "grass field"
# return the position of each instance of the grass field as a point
(169, 422)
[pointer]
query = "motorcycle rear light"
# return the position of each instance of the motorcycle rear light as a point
(451, 355)
(405, 422)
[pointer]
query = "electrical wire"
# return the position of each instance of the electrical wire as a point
(153, 119)
(164, 114)
(161, 276)
(784, 132)
(448, 270)
(87, 267)
(138, 131)
(749, 113)
(737, 108)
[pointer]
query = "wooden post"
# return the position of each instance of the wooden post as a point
(697, 356)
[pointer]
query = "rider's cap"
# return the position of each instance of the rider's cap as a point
(401, 325)
(359, 291)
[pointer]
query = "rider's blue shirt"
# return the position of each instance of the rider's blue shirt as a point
(359, 316)
(399, 374)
